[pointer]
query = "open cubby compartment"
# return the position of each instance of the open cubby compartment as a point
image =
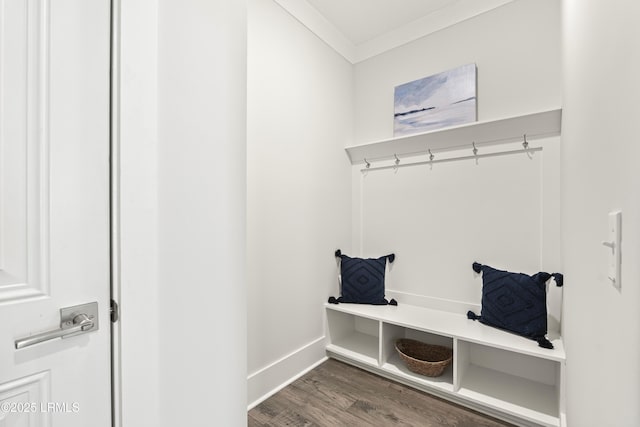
(354, 337)
(393, 364)
(521, 385)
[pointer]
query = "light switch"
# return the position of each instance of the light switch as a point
(614, 246)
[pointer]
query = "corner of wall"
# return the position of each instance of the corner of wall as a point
(272, 378)
(299, 119)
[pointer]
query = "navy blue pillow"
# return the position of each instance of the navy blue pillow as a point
(362, 280)
(515, 302)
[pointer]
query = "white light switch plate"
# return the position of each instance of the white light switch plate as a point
(614, 246)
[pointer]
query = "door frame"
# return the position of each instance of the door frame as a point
(114, 217)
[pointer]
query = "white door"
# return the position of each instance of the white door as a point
(54, 210)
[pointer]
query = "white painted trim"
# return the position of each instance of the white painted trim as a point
(37, 388)
(43, 96)
(308, 16)
(116, 334)
(440, 19)
(134, 212)
(283, 385)
(267, 381)
(459, 11)
(537, 125)
(29, 279)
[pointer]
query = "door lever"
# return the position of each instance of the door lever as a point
(76, 320)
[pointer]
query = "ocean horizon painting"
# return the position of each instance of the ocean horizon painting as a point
(442, 100)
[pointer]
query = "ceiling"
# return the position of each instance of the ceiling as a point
(360, 29)
(364, 20)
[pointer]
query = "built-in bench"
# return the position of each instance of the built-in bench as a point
(493, 371)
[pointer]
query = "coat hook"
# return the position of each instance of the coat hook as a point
(366, 164)
(397, 162)
(431, 156)
(525, 144)
(475, 150)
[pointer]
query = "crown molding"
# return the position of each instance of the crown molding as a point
(440, 19)
(459, 11)
(309, 16)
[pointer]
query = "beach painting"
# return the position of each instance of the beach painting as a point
(438, 101)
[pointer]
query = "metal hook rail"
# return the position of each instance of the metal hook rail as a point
(527, 149)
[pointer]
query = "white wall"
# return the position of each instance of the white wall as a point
(515, 47)
(201, 213)
(300, 118)
(503, 211)
(601, 148)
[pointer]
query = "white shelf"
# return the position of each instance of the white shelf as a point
(536, 125)
(530, 400)
(501, 373)
(358, 346)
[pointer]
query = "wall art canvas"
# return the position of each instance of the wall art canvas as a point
(438, 101)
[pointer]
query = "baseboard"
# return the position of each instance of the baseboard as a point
(272, 378)
(563, 419)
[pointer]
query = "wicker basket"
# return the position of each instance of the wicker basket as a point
(422, 358)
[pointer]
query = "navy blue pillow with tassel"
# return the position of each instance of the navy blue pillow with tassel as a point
(362, 280)
(515, 302)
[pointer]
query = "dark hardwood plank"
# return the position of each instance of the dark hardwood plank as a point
(338, 394)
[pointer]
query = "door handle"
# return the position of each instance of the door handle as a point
(75, 320)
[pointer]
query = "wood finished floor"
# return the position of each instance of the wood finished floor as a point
(336, 394)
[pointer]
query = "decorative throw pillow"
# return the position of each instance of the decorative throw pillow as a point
(362, 280)
(515, 302)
